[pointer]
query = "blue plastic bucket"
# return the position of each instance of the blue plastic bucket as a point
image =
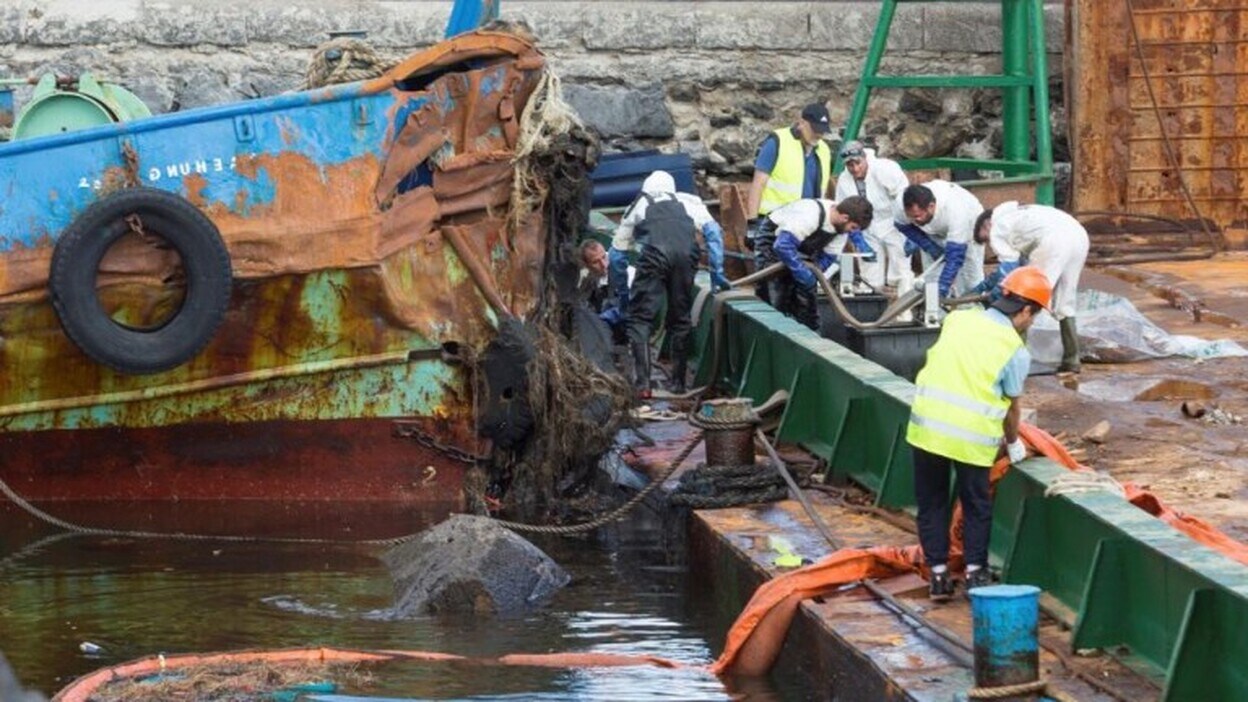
(1006, 619)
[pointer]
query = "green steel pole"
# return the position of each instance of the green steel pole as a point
(1044, 130)
(878, 41)
(1017, 104)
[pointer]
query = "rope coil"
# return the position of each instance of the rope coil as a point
(344, 60)
(1076, 482)
(713, 423)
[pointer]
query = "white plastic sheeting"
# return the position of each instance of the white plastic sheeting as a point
(1112, 330)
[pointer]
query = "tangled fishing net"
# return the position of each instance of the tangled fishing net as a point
(577, 406)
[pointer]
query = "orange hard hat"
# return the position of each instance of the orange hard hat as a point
(1029, 283)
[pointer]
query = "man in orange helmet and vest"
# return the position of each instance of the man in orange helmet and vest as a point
(966, 410)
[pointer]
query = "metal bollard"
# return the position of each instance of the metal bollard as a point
(1006, 622)
(729, 426)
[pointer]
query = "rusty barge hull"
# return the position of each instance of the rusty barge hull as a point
(371, 241)
(259, 446)
(351, 460)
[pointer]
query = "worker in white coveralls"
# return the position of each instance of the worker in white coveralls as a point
(1049, 239)
(812, 230)
(664, 224)
(882, 182)
(940, 221)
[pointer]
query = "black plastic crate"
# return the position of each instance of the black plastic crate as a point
(864, 308)
(902, 349)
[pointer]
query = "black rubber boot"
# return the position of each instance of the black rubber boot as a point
(1070, 346)
(806, 306)
(680, 369)
(641, 368)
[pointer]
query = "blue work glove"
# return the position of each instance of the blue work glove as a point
(909, 248)
(719, 282)
(860, 243)
(989, 283)
(714, 237)
(920, 239)
(955, 256)
(786, 250)
(617, 276)
(612, 316)
(824, 259)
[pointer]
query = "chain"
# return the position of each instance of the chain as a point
(409, 430)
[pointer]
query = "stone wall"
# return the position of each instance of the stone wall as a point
(710, 78)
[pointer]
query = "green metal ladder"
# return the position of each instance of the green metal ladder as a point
(1025, 76)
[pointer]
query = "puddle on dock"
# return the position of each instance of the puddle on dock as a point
(1146, 390)
(630, 594)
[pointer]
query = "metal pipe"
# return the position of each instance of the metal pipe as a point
(1016, 142)
(869, 70)
(1044, 130)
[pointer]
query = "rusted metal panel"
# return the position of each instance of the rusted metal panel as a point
(336, 460)
(1195, 68)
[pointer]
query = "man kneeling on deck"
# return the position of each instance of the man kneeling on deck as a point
(965, 404)
(815, 230)
(664, 222)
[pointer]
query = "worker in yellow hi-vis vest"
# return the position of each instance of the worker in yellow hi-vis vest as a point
(794, 163)
(966, 406)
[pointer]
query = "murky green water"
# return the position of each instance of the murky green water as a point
(630, 594)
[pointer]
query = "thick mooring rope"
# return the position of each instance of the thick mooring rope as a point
(344, 60)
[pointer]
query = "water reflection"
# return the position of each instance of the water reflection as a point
(130, 597)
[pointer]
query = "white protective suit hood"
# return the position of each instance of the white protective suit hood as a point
(659, 182)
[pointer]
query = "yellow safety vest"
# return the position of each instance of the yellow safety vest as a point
(957, 412)
(784, 185)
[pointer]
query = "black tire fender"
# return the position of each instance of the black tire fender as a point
(75, 265)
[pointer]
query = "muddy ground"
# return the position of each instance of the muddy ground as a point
(1193, 465)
